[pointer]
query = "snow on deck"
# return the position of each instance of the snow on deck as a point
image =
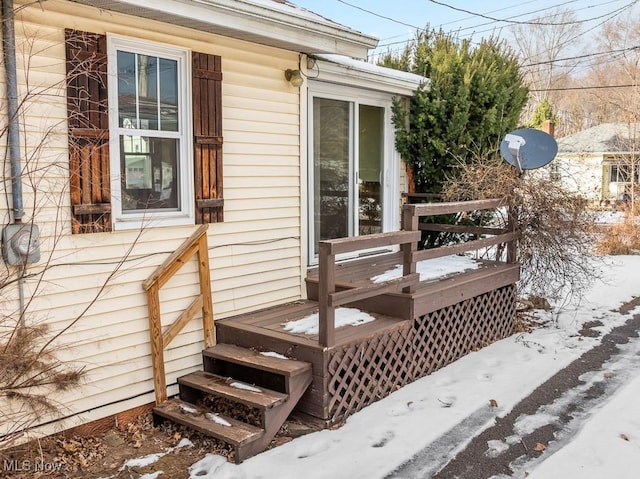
(344, 317)
(432, 268)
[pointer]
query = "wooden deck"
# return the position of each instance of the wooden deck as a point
(419, 326)
(454, 315)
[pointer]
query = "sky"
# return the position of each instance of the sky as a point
(403, 17)
(601, 441)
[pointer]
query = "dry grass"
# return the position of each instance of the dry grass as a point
(621, 238)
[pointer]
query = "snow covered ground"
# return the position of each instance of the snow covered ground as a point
(379, 439)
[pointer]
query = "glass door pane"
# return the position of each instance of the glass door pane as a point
(370, 168)
(331, 172)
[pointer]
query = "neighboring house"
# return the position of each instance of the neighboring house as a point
(600, 162)
(140, 119)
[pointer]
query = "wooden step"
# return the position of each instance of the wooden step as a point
(252, 359)
(234, 432)
(272, 385)
(228, 388)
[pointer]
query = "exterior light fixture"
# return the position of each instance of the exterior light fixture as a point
(294, 77)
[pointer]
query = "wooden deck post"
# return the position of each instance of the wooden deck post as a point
(512, 225)
(409, 223)
(326, 286)
(157, 346)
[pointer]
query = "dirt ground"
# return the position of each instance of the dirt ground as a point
(105, 456)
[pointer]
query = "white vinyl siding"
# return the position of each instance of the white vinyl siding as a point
(255, 253)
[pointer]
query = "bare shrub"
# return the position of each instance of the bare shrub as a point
(29, 375)
(556, 240)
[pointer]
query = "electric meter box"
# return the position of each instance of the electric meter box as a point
(21, 244)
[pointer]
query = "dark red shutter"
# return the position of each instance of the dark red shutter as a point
(88, 117)
(207, 131)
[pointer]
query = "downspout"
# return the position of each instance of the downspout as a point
(13, 129)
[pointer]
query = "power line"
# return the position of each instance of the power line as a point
(516, 22)
(611, 16)
(578, 57)
(595, 87)
(379, 15)
(558, 5)
(536, 22)
(452, 21)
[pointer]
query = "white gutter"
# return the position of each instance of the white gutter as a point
(347, 71)
(265, 22)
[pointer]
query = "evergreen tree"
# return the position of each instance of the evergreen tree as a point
(473, 98)
(542, 112)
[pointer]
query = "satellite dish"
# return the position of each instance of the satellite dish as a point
(528, 149)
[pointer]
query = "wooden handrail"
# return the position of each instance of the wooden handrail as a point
(328, 298)
(195, 244)
(434, 209)
(408, 238)
(377, 240)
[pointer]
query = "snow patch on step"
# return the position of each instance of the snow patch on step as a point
(189, 409)
(244, 387)
(273, 354)
(217, 419)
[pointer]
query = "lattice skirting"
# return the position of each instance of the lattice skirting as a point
(360, 374)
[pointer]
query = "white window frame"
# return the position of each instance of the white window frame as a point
(185, 214)
(391, 167)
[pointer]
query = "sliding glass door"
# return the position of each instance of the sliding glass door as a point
(332, 172)
(350, 154)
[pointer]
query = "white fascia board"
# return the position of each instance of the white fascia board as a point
(286, 27)
(365, 75)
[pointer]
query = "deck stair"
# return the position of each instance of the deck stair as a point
(270, 385)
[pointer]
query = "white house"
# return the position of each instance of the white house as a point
(600, 162)
(138, 120)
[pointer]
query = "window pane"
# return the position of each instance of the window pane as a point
(127, 95)
(148, 92)
(168, 95)
(331, 169)
(149, 172)
(371, 157)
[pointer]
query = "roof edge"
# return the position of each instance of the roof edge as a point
(281, 26)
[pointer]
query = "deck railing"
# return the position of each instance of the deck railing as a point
(408, 238)
(413, 212)
(195, 244)
(329, 298)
